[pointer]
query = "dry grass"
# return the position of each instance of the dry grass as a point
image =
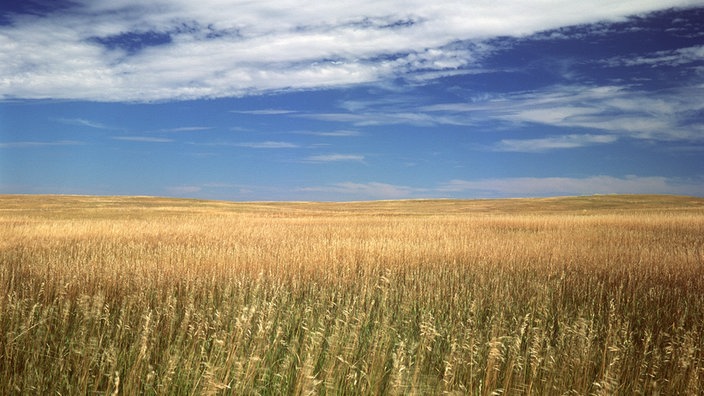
(583, 295)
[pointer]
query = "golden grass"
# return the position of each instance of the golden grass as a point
(134, 295)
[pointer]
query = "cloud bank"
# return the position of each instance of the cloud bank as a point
(549, 186)
(509, 187)
(132, 50)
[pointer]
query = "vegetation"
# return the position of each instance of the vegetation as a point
(581, 295)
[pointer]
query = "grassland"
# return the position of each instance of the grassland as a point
(137, 295)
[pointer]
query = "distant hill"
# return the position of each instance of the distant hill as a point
(135, 205)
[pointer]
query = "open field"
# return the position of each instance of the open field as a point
(137, 295)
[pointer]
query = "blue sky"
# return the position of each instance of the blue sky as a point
(351, 100)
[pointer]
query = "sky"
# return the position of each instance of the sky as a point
(351, 100)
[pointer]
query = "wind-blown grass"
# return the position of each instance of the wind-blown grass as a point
(588, 295)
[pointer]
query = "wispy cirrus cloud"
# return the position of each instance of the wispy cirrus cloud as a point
(339, 133)
(612, 110)
(186, 129)
(143, 139)
(390, 110)
(663, 115)
(267, 145)
(541, 145)
(264, 112)
(83, 122)
(389, 116)
(31, 144)
(670, 58)
(335, 158)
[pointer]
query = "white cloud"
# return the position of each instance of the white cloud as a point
(264, 112)
(219, 190)
(615, 111)
(143, 139)
(218, 48)
(479, 188)
(340, 133)
(372, 190)
(389, 116)
(30, 144)
(547, 186)
(662, 115)
(267, 145)
(187, 129)
(676, 57)
(552, 143)
(335, 158)
(83, 122)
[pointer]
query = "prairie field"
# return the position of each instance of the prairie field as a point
(555, 296)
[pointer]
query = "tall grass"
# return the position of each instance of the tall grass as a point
(147, 296)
